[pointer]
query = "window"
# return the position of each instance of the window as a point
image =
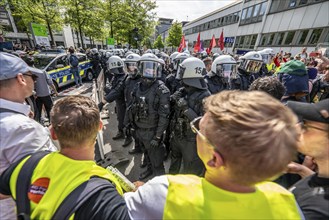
(279, 38)
(241, 41)
(316, 33)
(246, 41)
(303, 2)
(256, 10)
(289, 37)
(253, 40)
(243, 16)
(249, 12)
(292, 3)
(263, 8)
(302, 37)
(270, 40)
(263, 39)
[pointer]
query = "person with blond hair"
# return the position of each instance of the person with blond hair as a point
(59, 184)
(245, 139)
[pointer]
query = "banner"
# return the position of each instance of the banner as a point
(197, 45)
(212, 44)
(40, 34)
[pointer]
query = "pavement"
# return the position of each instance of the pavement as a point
(114, 153)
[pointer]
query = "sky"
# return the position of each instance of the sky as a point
(188, 10)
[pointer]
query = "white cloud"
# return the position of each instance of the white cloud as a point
(183, 10)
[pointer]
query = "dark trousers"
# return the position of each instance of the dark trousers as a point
(186, 150)
(156, 154)
(47, 102)
(121, 110)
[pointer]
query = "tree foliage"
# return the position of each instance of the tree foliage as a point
(158, 43)
(39, 11)
(175, 34)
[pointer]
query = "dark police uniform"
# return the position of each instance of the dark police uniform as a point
(183, 140)
(216, 84)
(148, 113)
(243, 80)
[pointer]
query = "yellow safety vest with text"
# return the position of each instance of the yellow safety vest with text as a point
(192, 197)
(54, 178)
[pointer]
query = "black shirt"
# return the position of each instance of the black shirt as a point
(312, 195)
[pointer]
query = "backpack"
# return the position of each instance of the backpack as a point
(74, 61)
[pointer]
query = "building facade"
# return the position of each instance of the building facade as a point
(284, 25)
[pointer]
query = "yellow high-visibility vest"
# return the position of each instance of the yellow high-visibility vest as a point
(54, 178)
(191, 197)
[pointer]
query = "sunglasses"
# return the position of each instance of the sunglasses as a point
(34, 77)
(195, 126)
(305, 127)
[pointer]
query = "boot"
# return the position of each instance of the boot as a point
(146, 173)
(128, 140)
(119, 135)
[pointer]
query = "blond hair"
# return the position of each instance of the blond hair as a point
(255, 134)
(75, 120)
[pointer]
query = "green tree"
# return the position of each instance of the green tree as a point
(85, 16)
(39, 11)
(131, 20)
(158, 43)
(175, 34)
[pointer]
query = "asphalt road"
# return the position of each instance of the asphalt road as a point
(115, 154)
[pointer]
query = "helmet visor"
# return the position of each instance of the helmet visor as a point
(226, 70)
(267, 58)
(252, 66)
(180, 72)
(151, 70)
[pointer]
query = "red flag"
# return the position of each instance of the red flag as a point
(212, 44)
(197, 44)
(182, 44)
(221, 41)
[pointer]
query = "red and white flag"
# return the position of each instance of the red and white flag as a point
(182, 44)
(221, 41)
(212, 44)
(197, 45)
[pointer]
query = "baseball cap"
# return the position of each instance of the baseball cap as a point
(11, 65)
(318, 112)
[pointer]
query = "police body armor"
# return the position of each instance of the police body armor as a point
(180, 124)
(130, 84)
(216, 84)
(172, 83)
(143, 111)
(242, 82)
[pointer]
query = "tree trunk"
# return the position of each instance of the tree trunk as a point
(81, 37)
(91, 42)
(76, 32)
(51, 35)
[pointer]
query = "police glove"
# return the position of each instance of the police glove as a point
(182, 104)
(155, 142)
(100, 106)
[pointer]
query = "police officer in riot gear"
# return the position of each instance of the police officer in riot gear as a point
(131, 81)
(221, 70)
(248, 70)
(95, 60)
(172, 82)
(149, 112)
(116, 92)
(187, 106)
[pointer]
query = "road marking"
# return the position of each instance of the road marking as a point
(130, 167)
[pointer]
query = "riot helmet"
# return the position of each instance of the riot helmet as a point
(267, 55)
(251, 62)
(131, 64)
(179, 59)
(172, 57)
(203, 55)
(94, 51)
(149, 66)
(115, 65)
(215, 56)
(108, 54)
(224, 66)
(128, 53)
(191, 73)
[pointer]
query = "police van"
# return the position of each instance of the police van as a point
(56, 64)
